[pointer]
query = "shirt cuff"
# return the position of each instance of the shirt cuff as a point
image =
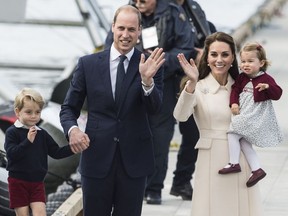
(147, 89)
(69, 131)
(147, 92)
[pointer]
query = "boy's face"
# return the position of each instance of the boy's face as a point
(30, 114)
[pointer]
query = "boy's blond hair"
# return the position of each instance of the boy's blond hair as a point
(30, 94)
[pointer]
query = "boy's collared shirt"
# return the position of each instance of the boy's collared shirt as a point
(19, 124)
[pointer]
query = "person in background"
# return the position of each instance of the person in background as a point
(27, 147)
(115, 167)
(252, 109)
(206, 96)
(166, 24)
(187, 154)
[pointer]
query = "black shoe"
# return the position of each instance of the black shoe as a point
(153, 198)
(185, 191)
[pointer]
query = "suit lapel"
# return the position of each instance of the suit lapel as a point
(104, 68)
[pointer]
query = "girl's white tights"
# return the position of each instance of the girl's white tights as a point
(238, 143)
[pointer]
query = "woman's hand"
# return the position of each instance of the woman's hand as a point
(190, 69)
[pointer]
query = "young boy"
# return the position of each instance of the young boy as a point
(27, 147)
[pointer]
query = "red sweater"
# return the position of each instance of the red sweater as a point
(274, 91)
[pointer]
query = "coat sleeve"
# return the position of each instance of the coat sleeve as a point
(185, 106)
(75, 97)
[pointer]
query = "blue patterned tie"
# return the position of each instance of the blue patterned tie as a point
(120, 78)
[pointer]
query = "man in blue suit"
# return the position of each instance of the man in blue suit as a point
(120, 154)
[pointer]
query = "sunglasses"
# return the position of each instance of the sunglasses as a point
(141, 1)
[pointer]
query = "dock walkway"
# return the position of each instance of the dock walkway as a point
(274, 187)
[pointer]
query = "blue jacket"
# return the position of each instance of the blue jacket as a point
(174, 34)
(108, 127)
(197, 18)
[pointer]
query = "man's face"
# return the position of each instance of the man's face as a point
(126, 30)
(146, 7)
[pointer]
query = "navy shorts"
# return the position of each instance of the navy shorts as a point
(22, 193)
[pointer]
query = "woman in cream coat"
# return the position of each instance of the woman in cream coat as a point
(206, 96)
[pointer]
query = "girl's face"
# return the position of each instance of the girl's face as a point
(250, 64)
(30, 114)
(220, 58)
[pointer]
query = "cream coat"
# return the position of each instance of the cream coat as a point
(215, 194)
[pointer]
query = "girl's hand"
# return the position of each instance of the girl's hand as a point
(32, 134)
(262, 86)
(235, 109)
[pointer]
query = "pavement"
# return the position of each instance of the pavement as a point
(274, 160)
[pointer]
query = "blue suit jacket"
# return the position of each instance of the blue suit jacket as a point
(108, 126)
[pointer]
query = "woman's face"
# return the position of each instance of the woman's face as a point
(220, 58)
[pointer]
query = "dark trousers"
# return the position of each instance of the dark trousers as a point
(117, 194)
(162, 136)
(162, 127)
(187, 154)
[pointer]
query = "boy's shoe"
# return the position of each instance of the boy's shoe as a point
(255, 177)
(230, 168)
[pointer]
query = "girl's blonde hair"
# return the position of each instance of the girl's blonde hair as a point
(30, 94)
(261, 54)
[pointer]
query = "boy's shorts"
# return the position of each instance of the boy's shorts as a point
(22, 193)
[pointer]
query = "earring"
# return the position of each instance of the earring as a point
(231, 65)
(208, 65)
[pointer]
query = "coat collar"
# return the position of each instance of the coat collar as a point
(212, 86)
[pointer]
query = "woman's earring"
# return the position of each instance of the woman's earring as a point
(231, 65)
